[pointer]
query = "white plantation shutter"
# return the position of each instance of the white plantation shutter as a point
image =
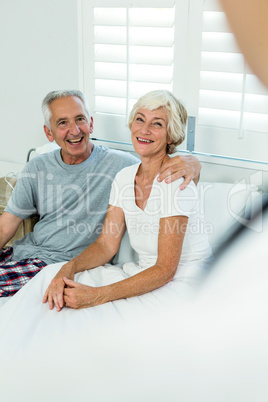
(133, 50)
(133, 54)
(233, 104)
(185, 46)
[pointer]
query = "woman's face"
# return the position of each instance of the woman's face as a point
(149, 132)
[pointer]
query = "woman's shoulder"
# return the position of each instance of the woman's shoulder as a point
(127, 173)
(177, 201)
(175, 187)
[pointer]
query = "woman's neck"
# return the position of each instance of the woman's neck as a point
(150, 167)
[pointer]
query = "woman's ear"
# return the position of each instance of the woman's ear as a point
(169, 141)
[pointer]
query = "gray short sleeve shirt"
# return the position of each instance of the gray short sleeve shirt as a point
(71, 200)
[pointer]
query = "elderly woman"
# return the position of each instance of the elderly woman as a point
(155, 214)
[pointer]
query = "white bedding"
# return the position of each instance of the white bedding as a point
(42, 346)
(131, 350)
(212, 348)
(27, 303)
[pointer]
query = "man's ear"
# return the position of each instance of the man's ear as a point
(91, 125)
(49, 134)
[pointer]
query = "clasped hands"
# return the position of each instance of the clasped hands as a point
(63, 291)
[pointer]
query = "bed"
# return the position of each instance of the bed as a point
(120, 351)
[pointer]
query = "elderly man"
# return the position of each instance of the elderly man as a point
(69, 189)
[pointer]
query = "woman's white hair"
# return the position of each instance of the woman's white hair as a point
(176, 113)
(51, 96)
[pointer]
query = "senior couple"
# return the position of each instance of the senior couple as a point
(80, 182)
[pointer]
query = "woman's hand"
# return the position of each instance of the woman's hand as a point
(79, 296)
(54, 293)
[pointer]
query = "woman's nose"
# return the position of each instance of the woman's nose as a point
(146, 128)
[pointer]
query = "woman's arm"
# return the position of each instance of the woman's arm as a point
(98, 253)
(170, 240)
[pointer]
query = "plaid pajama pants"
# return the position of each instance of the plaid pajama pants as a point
(15, 274)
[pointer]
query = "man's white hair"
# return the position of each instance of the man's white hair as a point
(51, 96)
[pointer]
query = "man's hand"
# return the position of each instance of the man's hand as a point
(79, 296)
(180, 166)
(54, 293)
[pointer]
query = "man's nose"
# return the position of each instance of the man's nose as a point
(74, 129)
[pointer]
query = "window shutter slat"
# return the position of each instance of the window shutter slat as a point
(220, 81)
(116, 35)
(152, 17)
(111, 16)
(219, 42)
(114, 71)
(150, 55)
(111, 53)
(113, 105)
(215, 22)
(222, 62)
(220, 100)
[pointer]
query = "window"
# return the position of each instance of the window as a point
(184, 46)
(133, 50)
(233, 104)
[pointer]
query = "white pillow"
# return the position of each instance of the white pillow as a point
(223, 205)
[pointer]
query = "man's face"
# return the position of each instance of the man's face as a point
(70, 128)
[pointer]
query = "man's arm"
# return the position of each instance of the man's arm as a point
(181, 166)
(9, 224)
(248, 21)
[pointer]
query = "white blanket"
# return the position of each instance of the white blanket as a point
(61, 351)
(150, 348)
(166, 345)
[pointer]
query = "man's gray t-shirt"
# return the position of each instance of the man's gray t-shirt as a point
(72, 202)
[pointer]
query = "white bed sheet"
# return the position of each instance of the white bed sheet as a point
(211, 348)
(57, 353)
(166, 345)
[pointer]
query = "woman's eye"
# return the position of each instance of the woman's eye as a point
(139, 119)
(157, 124)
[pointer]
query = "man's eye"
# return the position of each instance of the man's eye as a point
(62, 123)
(81, 119)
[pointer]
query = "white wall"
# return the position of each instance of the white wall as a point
(38, 53)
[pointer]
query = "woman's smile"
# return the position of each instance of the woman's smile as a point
(144, 140)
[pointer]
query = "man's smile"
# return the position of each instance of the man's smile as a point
(75, 141)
